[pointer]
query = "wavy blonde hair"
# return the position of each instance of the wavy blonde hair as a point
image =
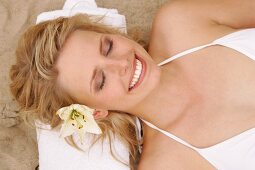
(34, 77)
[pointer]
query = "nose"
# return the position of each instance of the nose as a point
(118, 65)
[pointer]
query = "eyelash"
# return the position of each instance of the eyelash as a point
(110, 46)
(103, 82)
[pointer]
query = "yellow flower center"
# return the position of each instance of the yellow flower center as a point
(78, 117)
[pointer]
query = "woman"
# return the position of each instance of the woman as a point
(204, 98)
(35, 86)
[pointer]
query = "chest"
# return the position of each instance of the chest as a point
(219, 72)
(223, 77)
(215, 71)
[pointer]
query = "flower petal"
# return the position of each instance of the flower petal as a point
(81, 134)
(67, 129)
(64, 113)
(84, 109)
(92, 127)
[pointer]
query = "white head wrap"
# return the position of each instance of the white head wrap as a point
(73, 7)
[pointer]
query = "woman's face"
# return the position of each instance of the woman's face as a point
(99, 69)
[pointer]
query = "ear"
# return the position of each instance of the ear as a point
(99, 113)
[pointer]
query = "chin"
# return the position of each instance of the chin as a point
(152, 82)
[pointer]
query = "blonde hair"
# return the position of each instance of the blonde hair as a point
(34, 78)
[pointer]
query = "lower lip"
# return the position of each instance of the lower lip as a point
(142, 75)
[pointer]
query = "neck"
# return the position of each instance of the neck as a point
(168, 102)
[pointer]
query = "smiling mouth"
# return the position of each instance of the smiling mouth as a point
(138, 73)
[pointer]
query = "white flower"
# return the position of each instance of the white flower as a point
(77, 118)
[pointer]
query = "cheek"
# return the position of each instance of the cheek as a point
(110, 99)
(116, 92)
(113, 93)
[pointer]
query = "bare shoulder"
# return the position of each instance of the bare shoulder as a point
(232, 13)
(182, 24)
(175, 158)
(176, 27)
(161, 152)
(156, 160)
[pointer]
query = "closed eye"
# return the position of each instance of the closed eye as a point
(99, 80)
(103, 81)
(109, 49)
(110, 45)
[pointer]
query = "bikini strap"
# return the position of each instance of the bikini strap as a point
(170, 135)
(184, 53)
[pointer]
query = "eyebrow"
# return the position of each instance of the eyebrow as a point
(95, 70)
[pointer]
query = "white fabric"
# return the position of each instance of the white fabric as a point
(238, 152)
(73, 7)
(169, 135)
(54, 152)
(241, 41)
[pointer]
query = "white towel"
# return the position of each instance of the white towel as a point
(54, 152)
(73, 7)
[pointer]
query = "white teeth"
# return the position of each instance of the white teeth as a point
(138, 71)
(136, 75)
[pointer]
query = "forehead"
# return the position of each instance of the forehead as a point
(80, 39)
(76, 61)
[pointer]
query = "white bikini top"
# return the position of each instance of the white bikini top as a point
(238, 152)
